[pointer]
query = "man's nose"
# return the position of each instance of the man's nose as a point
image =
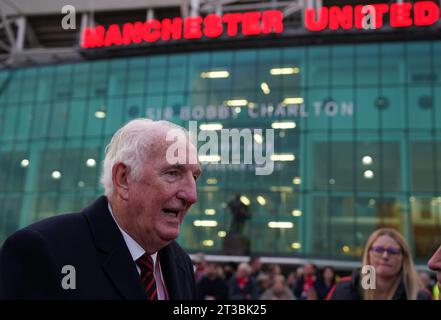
(435, 262)
(188, 191)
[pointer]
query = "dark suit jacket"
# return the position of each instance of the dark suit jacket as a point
(31, 260)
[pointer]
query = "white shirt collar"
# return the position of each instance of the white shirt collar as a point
(136, 251)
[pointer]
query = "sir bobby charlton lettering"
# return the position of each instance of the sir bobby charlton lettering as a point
(122, 246)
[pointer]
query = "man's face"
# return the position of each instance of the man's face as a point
(435, 265)
(159, 200)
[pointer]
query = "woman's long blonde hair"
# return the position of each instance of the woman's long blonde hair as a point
(408, 272)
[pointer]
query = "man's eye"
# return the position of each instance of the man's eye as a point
(173, 173)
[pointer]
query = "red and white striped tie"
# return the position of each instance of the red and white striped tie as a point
(145, 263)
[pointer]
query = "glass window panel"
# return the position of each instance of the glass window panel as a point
(420, 113)
(24, 122)
(393, 64)
(319, 68)
(437, 111)
(198, 63)
(81, 74)
(11, 116)
(101, 112)
(342, 72)
(366, 112)
(177, 65)
(244, 73)
(313, 110)
(419, 71)
(158, 74)
(423, 164)
(76, 121)
(340, 109)
(393, 113)
(137, 73)
(426, 222)
(367, 64)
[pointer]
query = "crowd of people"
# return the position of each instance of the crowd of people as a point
(395, 277)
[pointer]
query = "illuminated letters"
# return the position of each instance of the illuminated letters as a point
(190, 28)
(401, 15)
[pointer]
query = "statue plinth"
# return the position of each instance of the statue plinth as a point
(236, 244)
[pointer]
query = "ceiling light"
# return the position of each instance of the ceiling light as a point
(280, 225)
(210, 126)
(368, 174)
(211, 181)
(296, 213)
(283, 157)
(236, 102)
(245, 200)
(297, 100)
(283, 125)
(91, 163)
(100, 114)
(215, 74)
(205, 223)
(261, 200)
(284, 71)
(258, 138)
(211, 158)
(210, 212)
(24, 163)
(208, 243)
(265, 88)
(367, 160)
(56, 175)
(221, 234)
(296, 245)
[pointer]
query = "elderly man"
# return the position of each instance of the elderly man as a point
(122, 246)
(435, 264)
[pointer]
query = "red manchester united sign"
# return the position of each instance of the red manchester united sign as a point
(230, 25)
(211, 26)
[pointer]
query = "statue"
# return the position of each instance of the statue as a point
(236, 243)
(240, 213)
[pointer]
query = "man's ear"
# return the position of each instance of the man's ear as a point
(120, 175)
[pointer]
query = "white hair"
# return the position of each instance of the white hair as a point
(245, 266)
(131, 145)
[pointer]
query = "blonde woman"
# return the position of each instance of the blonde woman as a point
(395, 275)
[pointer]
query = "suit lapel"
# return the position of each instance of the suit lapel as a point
(121, 270)
(116, 259)
(172, 273)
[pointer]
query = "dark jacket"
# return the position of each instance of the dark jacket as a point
(323, 289)
(214, 287)
(349, 288)
(249, 292)
(31, 260)
(298, 288)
